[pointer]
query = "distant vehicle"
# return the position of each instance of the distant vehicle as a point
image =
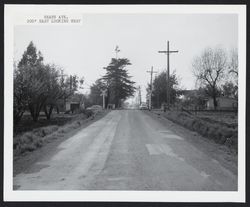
(95, 107)
(143, 106)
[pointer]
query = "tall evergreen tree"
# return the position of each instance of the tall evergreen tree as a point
(29, 79)
(119, 85)
(31, 57)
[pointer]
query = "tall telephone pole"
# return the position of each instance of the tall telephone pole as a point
(139, 95)
(151, 86)
(103, 94)
(168, 71)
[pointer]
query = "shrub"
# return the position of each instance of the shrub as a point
(30, 147)
(39, 143)
(63, 130)
(88, 112)
(43, 131)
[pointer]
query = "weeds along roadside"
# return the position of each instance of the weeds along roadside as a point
(221, 133)
(32, 140)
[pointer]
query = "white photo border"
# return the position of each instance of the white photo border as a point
(10, 17)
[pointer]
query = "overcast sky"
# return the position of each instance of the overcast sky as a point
(84, 50)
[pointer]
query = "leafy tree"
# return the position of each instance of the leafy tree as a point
(24, 84)
(53, 87)
(159, 92)
(230, 90)
(59, 87)
(37, 91)
(20, 97)
(38, 86)
(95, 92)
(119, 85)
(31, 57)
(209, 69)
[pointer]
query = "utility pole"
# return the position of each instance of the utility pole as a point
(151, 86)
(168, 71)
(139, 95)
(103, 94)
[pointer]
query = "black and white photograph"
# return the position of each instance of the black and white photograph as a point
(134, 103)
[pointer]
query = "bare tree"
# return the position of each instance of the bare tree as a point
(209, 69)
(233, 64)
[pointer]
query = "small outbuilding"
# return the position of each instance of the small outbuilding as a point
(72, 104)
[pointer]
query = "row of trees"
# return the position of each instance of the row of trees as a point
(39, 86)
(216, 74)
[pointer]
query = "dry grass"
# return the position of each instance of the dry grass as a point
(27, 124)
(222, 133)
(37, 137)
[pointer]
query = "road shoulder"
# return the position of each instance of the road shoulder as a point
(221, 153)
(24, 161)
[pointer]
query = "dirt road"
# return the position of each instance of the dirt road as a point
(128, 150)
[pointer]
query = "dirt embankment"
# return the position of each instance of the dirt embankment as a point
(220, 132)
